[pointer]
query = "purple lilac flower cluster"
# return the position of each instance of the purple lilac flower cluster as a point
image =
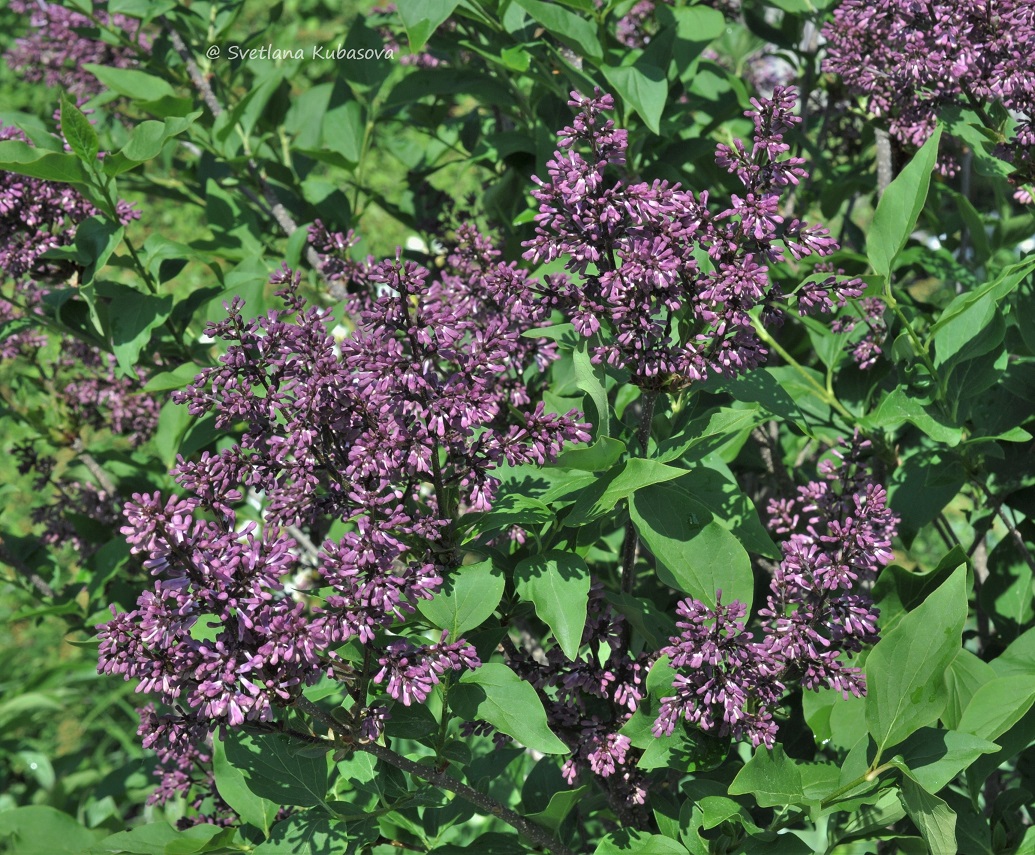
(57, 46)
(35, 216)
(633, 249)
(590, 698)
(393, 430)
(729, 680)
(868, 349)
(910, 59)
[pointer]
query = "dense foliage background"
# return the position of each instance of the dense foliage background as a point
(517, 426)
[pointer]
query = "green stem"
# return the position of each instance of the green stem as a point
(866, 778)
(921, 349)
(828, 397)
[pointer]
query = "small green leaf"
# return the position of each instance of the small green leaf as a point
(315, 833)
(138, 85)
(600, 456)
(134, 316)
(932, 816)
(998, 705)
(470, 594)
(422, 17)
(559, 807)
(569, 27)
(590, 379)
(899, 208)
(42, 830)
(696, 553)
(904, 672)
(499, 696)
(899, 407)
(558, 584)
(619, 483)
(22, 159)
(771, 777)
(634, 842)
(935, 757)
(160, 838)
(79, 133)
(644, 87)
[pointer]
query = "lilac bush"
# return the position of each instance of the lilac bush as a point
(457, 546)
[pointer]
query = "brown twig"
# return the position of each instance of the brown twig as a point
(276, 207)
(883, 160)
(9, 558)
(538, 835)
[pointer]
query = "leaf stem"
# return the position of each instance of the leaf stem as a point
(827, 397)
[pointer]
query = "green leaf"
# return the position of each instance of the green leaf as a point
(133, 316)
(558, 584)
(935, 819)
(310, 833)
(998, 705)
(634, 842)
(422, 17)
(696, 553)
(574, 30)
(22, 159)
(160, 838)
(899, 407)
(899, 208)
(41, 830)
(146, 142)
(559, 807)
(95, 241)
(963, 678)
(79, 133)
(516, 58)
(904, 672)
(644, 87)
(1018, 658)
(470, 594)
(273, 770)
(935, 757)
(342, 130)
(617, 484)
(708, 433)
(509, 510)
(771, 778)
(499, 696)
(970, 314)
(713, 484)
(602, 455)
(230, 783)
(590, 379)
(166, 381)
(138, 85)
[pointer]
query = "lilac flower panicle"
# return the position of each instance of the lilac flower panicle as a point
(56, 47)
(729, 680)
(393, 430)
(35, 216)
(589, 699)
(630, 248)
(911, 60)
